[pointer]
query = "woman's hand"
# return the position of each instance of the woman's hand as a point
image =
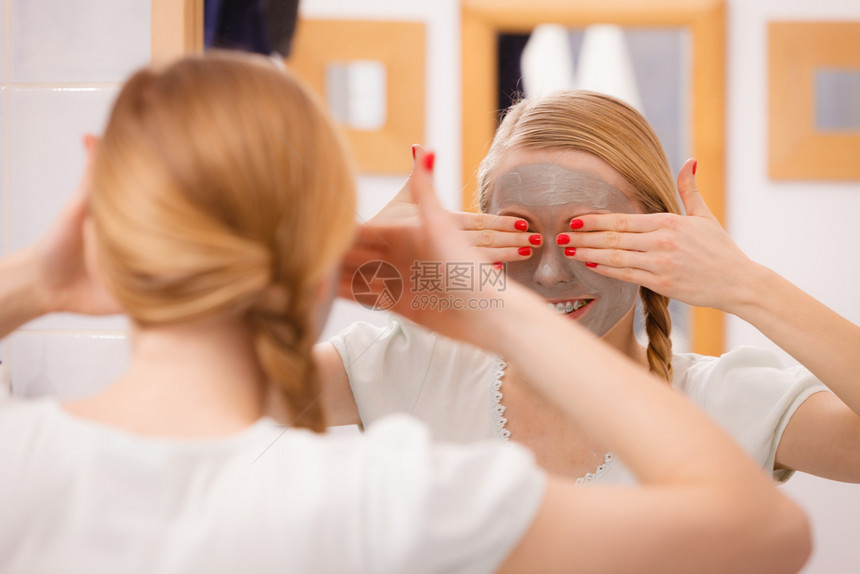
(686, 257)
(423, 244)
(496, 238)
(64, 279)
(51, 275)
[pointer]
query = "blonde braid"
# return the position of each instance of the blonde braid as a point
(658, 326)
(284, 343)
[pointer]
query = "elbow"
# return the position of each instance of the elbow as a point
(797, 537)
(787, 538)
(770, 535)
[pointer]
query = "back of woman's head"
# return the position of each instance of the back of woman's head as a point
(621, 137)
(222, 190)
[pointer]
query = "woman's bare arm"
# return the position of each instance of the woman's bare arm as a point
(703, 506)
(338, 400)
(52, 275)
(691, 258)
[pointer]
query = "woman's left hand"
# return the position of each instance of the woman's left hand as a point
(686, 257)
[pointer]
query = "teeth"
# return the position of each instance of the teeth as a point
(567, 306)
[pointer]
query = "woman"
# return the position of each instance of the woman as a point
(578, 199)
(220, 205)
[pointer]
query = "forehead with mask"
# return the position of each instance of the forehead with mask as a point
(548, 195)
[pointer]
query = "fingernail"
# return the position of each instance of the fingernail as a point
(695, 165)
(429, 160)
(521, 225)
(524, 251)
(570, 251)
(590, 264)
(498, 265)
(535, 239)
(413, 152)
(576, 224)
(562, 239)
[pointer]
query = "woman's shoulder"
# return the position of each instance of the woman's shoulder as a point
(760, 376)
(692, 365)
(22, 416)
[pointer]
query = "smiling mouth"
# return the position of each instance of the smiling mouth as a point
(568, 306)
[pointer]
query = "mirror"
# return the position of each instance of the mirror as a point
(177, 29)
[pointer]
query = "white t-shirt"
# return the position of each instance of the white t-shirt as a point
(456, 389)
(79, 496)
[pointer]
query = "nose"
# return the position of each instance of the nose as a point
(553, 267)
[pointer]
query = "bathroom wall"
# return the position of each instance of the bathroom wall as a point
(807, 231)
(61, 64)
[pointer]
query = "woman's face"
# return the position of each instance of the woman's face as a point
(548, 189)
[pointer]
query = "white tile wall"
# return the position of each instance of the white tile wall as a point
(4, 41)
(66, 365)
(4, 167)
(46, 164)
(61, 66)
(92, 41)
(49, 125)
(4, 172)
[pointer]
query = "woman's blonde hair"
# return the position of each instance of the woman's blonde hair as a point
(222, 189)
(620, 136)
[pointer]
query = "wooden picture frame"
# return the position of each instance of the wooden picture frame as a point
(483, 20)
(177, 28)
(399, 47)
(798, 150)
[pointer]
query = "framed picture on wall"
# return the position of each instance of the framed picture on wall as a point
(814, 105)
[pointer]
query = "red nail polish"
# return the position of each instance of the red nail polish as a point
(562, 239)
(413, 153)
(498, 265)
(695, 165)
(590, 264)
(524, 251)
(535, 239)
(429, 160)
(521, 225)
(576, 224)
(570, 251)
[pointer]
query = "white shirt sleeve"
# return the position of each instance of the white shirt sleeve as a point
(751, 394)
(385, 366)
(445, 508)
(405, 368)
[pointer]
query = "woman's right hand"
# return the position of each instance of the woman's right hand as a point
(494, 238)
(51, 275)
(64, 281)
(421, 243)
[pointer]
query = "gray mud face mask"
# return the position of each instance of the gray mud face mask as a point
(548, 195)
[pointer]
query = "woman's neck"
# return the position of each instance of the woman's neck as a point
(622, 337)
(190, 380)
